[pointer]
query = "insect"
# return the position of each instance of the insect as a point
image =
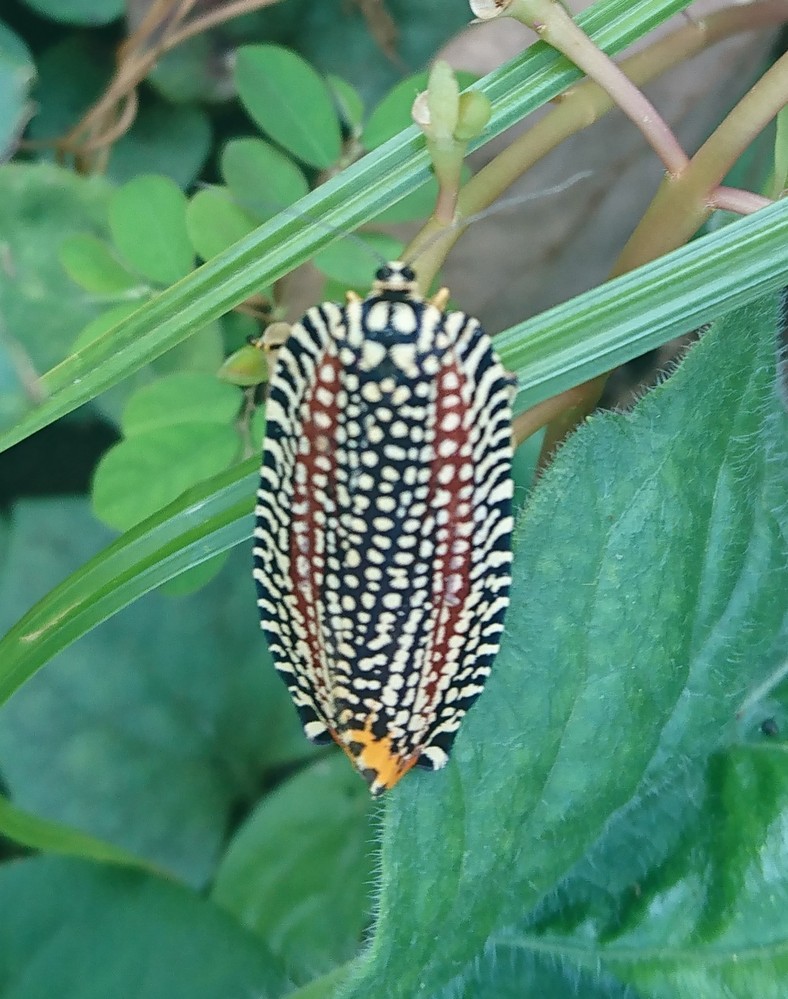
(382, 552)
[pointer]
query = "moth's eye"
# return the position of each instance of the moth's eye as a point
(384, 273)
(408, 273)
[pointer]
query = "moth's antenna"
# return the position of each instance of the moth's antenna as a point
(498, 206)
(353, 237)
(521, 199)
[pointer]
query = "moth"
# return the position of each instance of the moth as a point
(382, 552)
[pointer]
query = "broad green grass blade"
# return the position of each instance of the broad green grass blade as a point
(359, 193)
(632, 314)
(593, 333)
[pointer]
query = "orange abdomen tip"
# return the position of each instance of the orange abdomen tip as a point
(375, 759)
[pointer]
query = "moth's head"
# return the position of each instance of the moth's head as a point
(398, 278)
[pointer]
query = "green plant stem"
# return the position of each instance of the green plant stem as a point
(576, 109)
(436, 112)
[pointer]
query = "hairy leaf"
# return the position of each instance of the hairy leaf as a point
(648, 592)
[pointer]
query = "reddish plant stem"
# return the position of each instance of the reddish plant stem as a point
(577, 109)
(164, 26)
(682, 204)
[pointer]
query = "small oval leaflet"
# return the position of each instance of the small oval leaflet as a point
(382, 552)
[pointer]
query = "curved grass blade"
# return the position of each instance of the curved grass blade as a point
(344, 202)
(570, 343)
(41, 834)
(204, 521)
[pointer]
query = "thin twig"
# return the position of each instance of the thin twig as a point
(216, 17)
(731, 199)
(102, 124)
(682, 204)
(576, 109)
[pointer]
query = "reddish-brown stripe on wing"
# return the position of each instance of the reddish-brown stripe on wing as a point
(314, 478)
(449, 501)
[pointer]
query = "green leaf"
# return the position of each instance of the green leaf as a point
(184, 397)
(158, 727)
(196, 578)
(705, 918)
(197, 71)
(353, 261)
(246, 366)
(237, 328)
(392, 113)
(303, 853)
(290, 102)
(17, 72)
(147, 218)
(112, 402)
(201, 352)
(648, 594)
(382, 178)
(260, 177)
(214, 221)
(82, 12)
(349, 102)
(142, 474)
(42, 308)
(764, 712)
(170, 542)
(98, 931)
(340, 39)
(324, 987)
(257, 428)
(90, 262)
(419, 204)
(509, 972)
(174, 141)
(105, 321)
